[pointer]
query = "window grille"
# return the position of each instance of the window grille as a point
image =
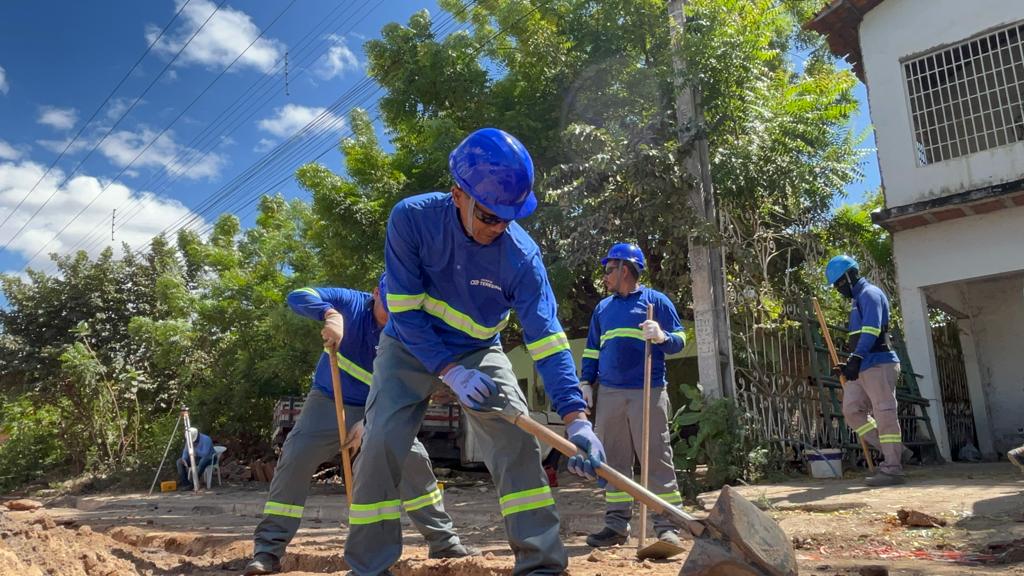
(968, 97)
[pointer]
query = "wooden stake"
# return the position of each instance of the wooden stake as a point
(339, 409)
(646, 442)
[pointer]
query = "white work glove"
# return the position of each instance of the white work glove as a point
(653, 332)
(334, 329)
(355, 438)
(588, 393)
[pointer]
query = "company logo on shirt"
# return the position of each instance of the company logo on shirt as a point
(485, 283)
(638, 310)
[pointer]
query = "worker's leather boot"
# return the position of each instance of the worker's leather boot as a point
(262, 563)
(883, 479)
(605, 538)
(457, 551)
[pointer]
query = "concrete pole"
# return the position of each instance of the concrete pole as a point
(710, 309)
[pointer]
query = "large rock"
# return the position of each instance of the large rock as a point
(23, 504)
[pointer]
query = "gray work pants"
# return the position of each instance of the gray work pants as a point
(619, 425)
(873, 393)
(314, 440)
(396, 406)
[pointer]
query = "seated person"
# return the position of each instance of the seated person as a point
(203, 446)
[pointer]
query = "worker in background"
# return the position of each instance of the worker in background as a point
(871, 371)
(203, 447)
(614, 360)
(457, 264)
(354, 319)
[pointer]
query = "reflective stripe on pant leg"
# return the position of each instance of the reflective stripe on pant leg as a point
(513, 458)
(612, 425)
(312, 441)
(617, 497)
(394, 411)
(526, 500)
(428, 499)
(423, 501)
(361, 514)
(280, 509)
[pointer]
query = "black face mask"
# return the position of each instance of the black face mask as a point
(844, 286)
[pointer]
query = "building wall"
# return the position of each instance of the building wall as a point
(899, 28)
(966, 248)
(957, 251)
(997, 314)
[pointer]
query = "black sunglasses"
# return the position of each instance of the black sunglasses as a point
(488, 219)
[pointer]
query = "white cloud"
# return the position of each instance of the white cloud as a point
(4, 86)
(119, 106)
(123, 146)
(16, 179)
(338, 59)
(57, 118)
(264, 145)
(8, 152)
(292, 117)
(58, 146)
(220, 41)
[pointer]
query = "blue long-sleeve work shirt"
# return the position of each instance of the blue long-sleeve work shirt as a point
(614, 355)
(203, 447)
(358, 343)
(869, 317)
(449, 296)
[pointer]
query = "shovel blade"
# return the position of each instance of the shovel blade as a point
(755, 543)
(659, 550)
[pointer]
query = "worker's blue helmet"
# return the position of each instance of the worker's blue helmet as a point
(628, 252)
(838, 266)
(382, 290)
(495, 170)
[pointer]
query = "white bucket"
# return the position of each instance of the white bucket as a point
(825, 463)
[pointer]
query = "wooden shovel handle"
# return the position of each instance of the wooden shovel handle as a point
(339, 410)
(657, 505)
(645, 443)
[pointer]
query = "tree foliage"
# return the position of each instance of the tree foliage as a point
(104, 351)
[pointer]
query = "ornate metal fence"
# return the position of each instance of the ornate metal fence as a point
(784, 382)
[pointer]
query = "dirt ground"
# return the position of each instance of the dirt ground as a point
(838, 528)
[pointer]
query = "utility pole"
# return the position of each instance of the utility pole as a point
(710, 309)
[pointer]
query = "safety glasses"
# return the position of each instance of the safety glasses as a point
(488, 219)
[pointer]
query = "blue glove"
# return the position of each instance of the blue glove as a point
(591, 457)
(470, 385)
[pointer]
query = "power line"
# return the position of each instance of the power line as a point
(94, 148)
(294, 148)
(162, 132)
(245, 200)
(207, 139)
(95, 112)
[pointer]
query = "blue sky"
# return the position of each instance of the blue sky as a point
(154, 152)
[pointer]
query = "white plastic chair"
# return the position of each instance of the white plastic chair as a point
(208, 473)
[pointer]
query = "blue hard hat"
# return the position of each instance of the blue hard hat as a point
(495, 170)
(625, 251)
(382, 290)
(838, 266)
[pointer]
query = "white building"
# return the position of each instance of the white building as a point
(945, 85)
